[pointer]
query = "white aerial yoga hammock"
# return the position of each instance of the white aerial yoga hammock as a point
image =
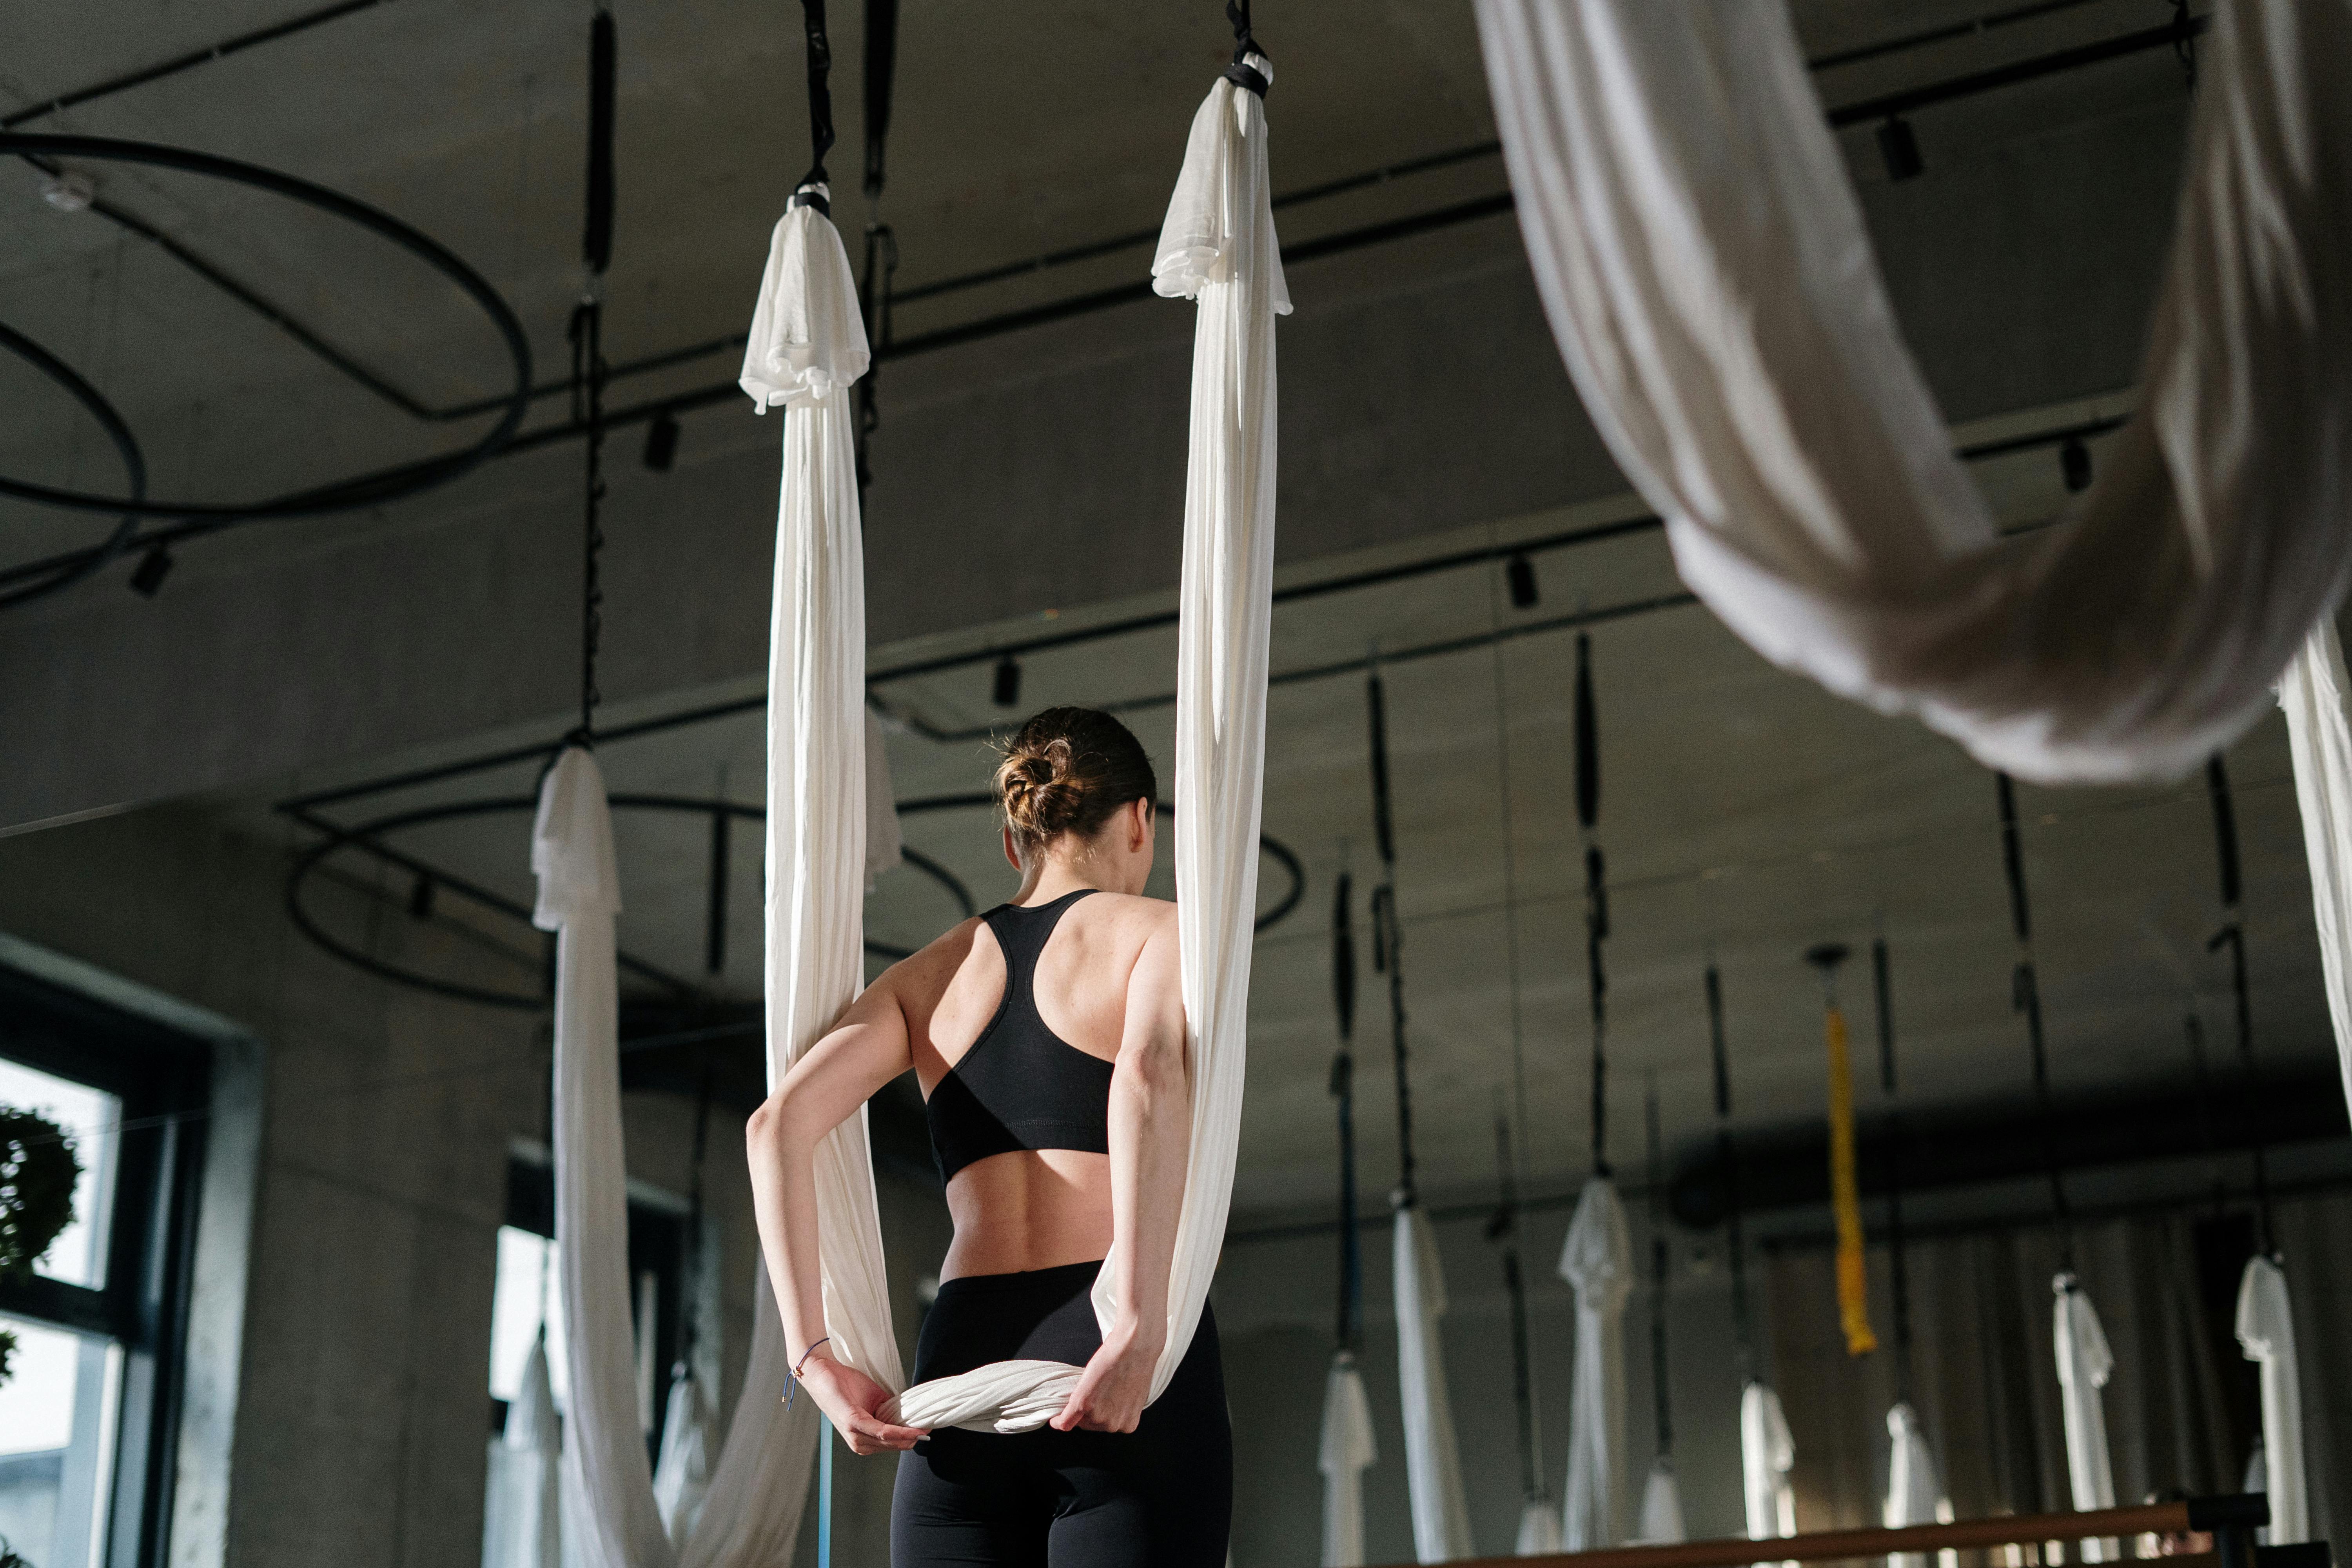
(1597, 1261)
(751, 1514)
(682, 1470)
(1661, 1506)
(521, 1512)
(1540, 1533)
(1347, 1451)
(2084, 1363)
(2319, 737)
(1432, 1459)
(1703, 263)
(1767, 1453)
(2265, 1328)
(1915, 1484)
(1219, 249)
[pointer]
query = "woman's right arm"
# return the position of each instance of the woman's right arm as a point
(863, 1051)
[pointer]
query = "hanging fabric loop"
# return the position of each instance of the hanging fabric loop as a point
(1845, 1187)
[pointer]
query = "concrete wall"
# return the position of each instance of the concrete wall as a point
(388, 1116)
(1420, 391)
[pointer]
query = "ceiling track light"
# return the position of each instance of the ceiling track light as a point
(1900, 149)
(1520, 573)
(2074, 464)
(1006, 690)
(661, 442)
(147, 579)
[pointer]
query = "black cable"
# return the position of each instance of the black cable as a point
(1661, 1388)
(588, 367)
(596, 244)
(2025, 996)
(1882, 984)
(1343, 1090)
(1503, 1229)
(1388, 936)
(875, 288)
(1726, 1159)
(820, 94)
(2232, 936)
(1596, 892)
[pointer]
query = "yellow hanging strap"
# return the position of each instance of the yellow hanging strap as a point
(1846, 1197)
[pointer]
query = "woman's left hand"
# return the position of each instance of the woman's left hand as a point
(1115, 1386)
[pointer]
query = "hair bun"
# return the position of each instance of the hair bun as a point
(1067, 772)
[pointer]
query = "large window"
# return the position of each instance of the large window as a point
(87, 1414)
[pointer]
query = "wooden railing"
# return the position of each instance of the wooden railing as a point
(2231, 1520)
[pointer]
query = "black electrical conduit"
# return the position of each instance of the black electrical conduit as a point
(364, 491)
(1350, 1331)
(1596, 533)
(1882, 107)
(1888, 106)
(1881, 983)
(2025, 997)
(368, 838)
(126, 448)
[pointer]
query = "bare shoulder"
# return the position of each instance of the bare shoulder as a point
(917, 980)
(1136, 916)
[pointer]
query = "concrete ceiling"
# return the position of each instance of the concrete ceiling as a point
(1746, 814)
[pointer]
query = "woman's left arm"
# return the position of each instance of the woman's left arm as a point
(1150, 1142)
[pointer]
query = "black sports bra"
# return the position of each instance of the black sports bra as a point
(1019, 1086)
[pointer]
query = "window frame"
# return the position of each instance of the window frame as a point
(162, 1078)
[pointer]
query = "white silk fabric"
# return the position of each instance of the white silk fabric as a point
(1538, 1529)
(1228, 262)
(752, 1511)
(1432, 1456)
(520, 1514)
(1767, 1453)
(2084, 1363)
(2319, 740)
(1597, 1261)
(1915, 1483)
(1661, 1506)
(1347, 1451)
(1703, 260)
(2265, 1330)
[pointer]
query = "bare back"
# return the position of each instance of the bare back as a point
(1029, 1209)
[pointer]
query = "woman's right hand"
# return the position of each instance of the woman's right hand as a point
(853, 1401)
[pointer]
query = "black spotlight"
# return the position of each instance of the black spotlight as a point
(1007, 690)
(661, 442)
(153, 567)
(1900, 149)
(1520, 573)
(420, 899)
(2075, 464)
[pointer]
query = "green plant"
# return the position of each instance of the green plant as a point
(38, 1172)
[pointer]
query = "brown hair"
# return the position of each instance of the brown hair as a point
(1067, 772)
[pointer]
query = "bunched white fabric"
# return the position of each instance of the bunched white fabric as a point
(2084, 1363)
(1433, 1458)
(1661, 1522)
(2265, 1328)
(1915, 1483)
(1347, 1451)
(752, 1511)
(1703, 260)
(1767, 1453)
(1597, 1261)
(2319, 739)
(1220, 250)
(520, 1514)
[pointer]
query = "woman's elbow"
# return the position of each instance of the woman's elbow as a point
(771, 1129)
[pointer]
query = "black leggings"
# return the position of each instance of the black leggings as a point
(1158, 1497)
